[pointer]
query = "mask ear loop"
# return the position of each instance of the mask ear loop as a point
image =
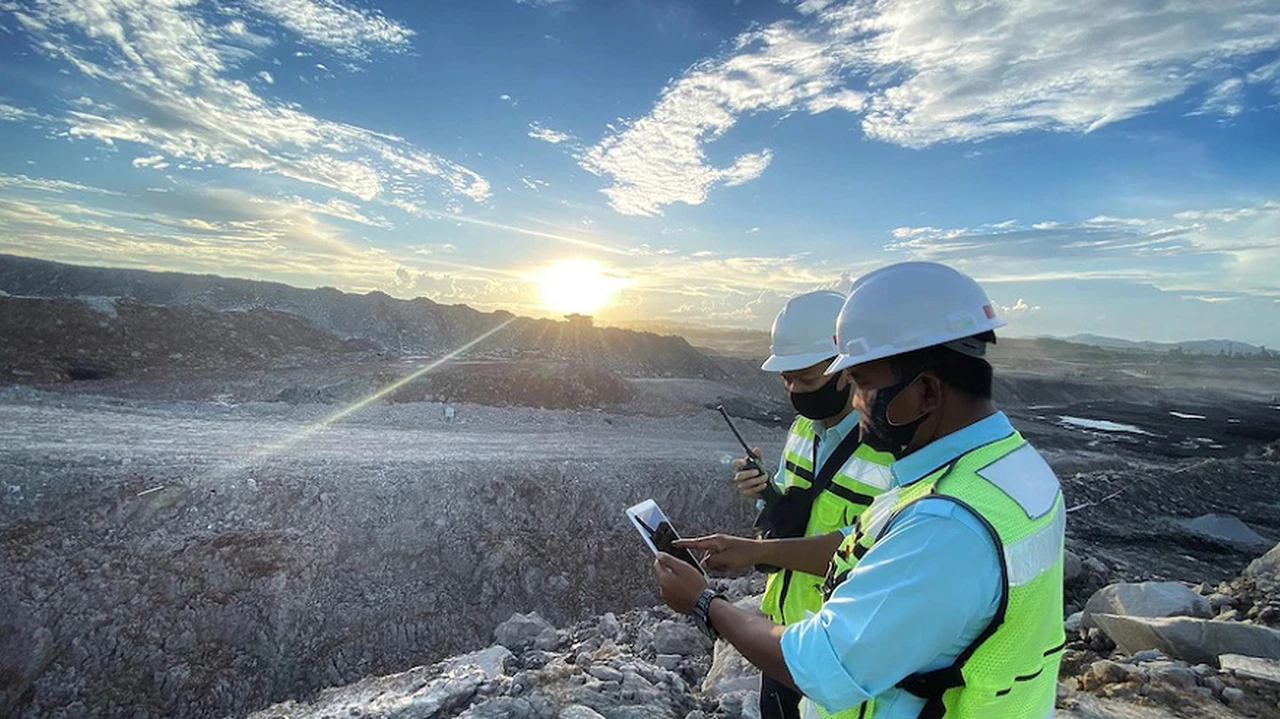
(889, 407)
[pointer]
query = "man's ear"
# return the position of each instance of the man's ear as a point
(932, 391)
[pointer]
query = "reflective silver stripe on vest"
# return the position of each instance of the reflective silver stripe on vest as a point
(867, 472)
(873, 520)
(1026, 478)
(1037, 552)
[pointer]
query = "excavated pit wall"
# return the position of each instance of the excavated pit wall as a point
(218, 595)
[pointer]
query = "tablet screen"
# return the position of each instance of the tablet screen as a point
(658, 532)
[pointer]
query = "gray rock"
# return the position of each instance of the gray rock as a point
(1188, 639)
(1218, 601)
(1267, 670)
(521, 630)
(730, 672)
(441, 697)
(1177, 676)
(1110, 672)
(670, 662)
(679, 638)
(1225, 529)
(1265, 570)
(1146, 599)
(492, 661)
(1073, 566)
(1072, 623)
(1095, 566)
(578, 711)
(609, 626)
(500, 708)
(605, 674)
(1148, 655)
(548, 640)
(1232, 695)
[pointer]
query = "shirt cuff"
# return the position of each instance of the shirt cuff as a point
(816, 669)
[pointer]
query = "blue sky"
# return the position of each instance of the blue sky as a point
(1101, 166)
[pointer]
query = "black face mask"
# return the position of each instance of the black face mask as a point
(882, 435)
(824, 402)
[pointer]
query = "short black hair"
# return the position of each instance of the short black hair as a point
(970, 375)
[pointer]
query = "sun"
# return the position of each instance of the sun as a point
(580, 286)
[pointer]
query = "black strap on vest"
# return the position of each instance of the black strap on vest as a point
(931, 686)
(789, 516)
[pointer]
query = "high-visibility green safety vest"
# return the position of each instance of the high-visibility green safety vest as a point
(1011, 670)
(789, 595)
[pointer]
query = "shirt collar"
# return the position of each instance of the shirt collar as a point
(835, 435)
(944, 449)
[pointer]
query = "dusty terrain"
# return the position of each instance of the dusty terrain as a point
(208, 537)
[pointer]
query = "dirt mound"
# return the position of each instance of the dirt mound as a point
(98, 337)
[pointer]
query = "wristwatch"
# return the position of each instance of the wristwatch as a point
(702, 613)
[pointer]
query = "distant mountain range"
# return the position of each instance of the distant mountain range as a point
(1202, 347)
(399, 327)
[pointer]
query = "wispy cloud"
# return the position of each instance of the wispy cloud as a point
(337, 27)
(1226, 99)
(42, 184)
(925, 73)
(1213, 250)
(171, 73)
(546, 134)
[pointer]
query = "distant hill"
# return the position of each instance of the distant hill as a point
(726, 341)
(399, 327)
(1203, 347)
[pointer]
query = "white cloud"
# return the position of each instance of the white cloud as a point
(173, 70)
(921, 73)
(533, 183)
(266, 77)
(226, 232)
(546, 134)
(10, 113)
(337, 26)
(1226, 99)
(1228, 214)
(1017, 308)
(156, 162)
(42, 184)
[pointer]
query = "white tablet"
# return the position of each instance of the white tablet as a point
(657, 531)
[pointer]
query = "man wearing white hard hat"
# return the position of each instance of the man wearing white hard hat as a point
(826, 474)
(945, 598)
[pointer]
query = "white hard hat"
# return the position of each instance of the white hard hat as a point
(804, 331)
(910, 306)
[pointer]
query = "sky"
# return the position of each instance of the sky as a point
(1100, 166)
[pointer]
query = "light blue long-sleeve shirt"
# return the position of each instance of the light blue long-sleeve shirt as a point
(828, 439)
(914, 602)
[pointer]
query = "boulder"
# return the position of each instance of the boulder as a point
(491, 661)
(730, 671)
(1146, 599)
(1267, 670)
(679, 638)
(578, 711)
(1189, 639)
(1264, 571)
(521, 630)
(1226, 530)
(1072, 566)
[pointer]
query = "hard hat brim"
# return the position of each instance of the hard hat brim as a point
(791, 363)
(845, 361)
